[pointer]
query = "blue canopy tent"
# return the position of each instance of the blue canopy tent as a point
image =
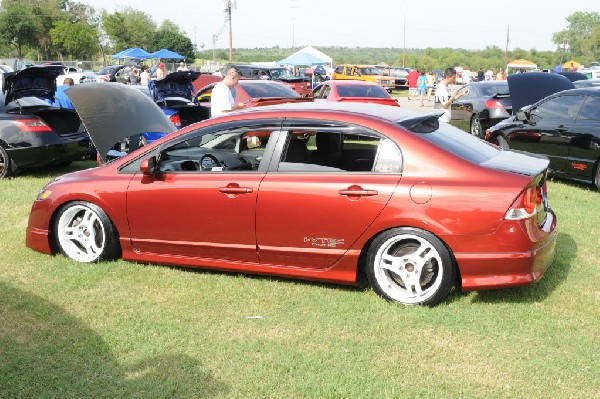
(134, 52)
(166, 54)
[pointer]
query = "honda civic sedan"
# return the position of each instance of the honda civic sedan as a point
(342, 193)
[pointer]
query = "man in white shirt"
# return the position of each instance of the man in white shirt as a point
(222, 98)
(443, 97)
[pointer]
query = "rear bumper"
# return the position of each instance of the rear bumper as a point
(33, 157)
(481, 271)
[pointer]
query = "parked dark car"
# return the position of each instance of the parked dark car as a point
(337, 192)
(486, 104)
(564, 126)
(33, 133)
(300, 84)
(175, 94)
(111, 71)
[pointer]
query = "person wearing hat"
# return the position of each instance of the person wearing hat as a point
(182, 67)
(160, 71)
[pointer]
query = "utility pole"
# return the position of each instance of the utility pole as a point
(506, 52)
(228, 12)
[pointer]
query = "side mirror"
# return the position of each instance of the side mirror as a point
(148, 166)
(521, 116)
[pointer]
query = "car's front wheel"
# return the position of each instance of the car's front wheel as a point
(476, 129)
(84, 233)
(597, 175)
(5, 166)
(410, 266)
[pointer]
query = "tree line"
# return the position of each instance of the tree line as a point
(69, 30)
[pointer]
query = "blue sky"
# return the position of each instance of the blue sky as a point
(391, 23)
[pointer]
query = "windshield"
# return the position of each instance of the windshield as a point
(268, 90)
(281, 73)
(369, 71)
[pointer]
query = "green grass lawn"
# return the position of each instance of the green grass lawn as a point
(126, 330)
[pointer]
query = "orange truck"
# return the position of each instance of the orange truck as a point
(369, 73)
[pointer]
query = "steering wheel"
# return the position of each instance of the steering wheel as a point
(208, 161)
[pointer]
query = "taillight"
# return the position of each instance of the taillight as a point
(493, 104)
(526, 205)
(176, 120)
(32, 125)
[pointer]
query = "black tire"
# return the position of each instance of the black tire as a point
(597, 175)
(401, 256)
(501, 142)
(476, 129)
(5, 164)
(83, 232)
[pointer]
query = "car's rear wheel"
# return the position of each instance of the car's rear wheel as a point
(501, 142)
(84, 233)
(476, 129)
(5, 164)
(410, 266)
(597, 175)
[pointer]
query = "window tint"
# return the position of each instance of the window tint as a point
(489, 90)
(268, 89)
(590, 110)
(338, 152)
(561, 107)
(461, 144)
(371, 91)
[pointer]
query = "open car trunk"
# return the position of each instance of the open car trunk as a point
(191, 113)
(65, 122)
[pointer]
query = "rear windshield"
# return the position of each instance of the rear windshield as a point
(362, 91)
(462, 144)
(491, 90)
(267, 90)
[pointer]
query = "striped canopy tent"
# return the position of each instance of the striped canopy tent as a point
(567, 65)
(521, 63)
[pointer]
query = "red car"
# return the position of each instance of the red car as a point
(343, 193)
(353, 90)
(255, 93)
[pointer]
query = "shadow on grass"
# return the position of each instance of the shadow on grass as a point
(50, 172)
(47, 353)
(557, 272)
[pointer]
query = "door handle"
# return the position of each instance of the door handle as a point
(235, 190)
(357, 191)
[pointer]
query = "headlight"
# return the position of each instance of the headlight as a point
(42, 195)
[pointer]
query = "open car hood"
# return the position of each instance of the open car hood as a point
(111, 112)
(176, 84)
(530, 87)
(35, 81)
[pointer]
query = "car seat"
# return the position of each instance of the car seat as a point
(297, 152)
(329, 149)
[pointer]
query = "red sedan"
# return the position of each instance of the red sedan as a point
(353, 91)
(343, 193)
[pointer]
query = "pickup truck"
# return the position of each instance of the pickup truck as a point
(368, 73)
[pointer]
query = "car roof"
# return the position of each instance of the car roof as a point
(385, 112)
(351, 83)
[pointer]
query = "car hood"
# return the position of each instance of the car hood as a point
(176, 84)
(530, 87)
(111, 112)
(35, 81)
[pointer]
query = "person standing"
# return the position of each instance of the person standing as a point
(182, 67)
(430, 84)
(222, 98)
(444, 96)
(60, 98)
(422, 86)
(160, 71)
(480, 75)
(144, 76)
(411, 80)
(134, 76)
(466, 76)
